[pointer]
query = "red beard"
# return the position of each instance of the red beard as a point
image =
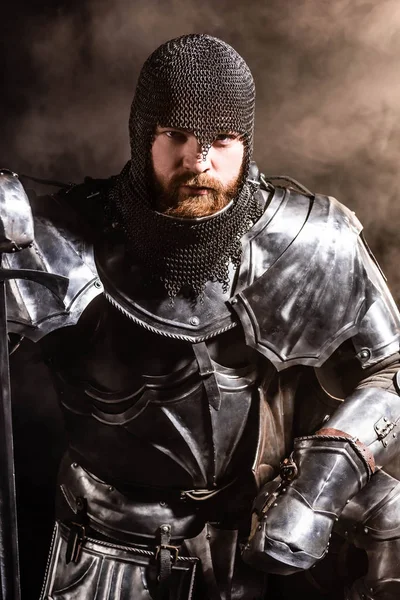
(174, 201)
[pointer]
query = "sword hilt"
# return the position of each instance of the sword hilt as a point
(57, 284)
(16, 220)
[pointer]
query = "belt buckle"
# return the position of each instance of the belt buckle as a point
(76, 539)
(174, 551)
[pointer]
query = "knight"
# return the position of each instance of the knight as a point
(226, 358)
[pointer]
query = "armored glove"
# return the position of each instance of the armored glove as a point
(293, 518)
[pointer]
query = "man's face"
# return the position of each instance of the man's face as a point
(185, 184)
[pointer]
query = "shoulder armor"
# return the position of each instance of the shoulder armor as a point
(305, 285)
(58, 248)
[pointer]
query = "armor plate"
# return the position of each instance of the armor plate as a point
(305, 285)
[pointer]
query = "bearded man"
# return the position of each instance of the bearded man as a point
(217, 324)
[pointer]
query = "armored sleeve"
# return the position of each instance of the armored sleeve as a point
(327, 468)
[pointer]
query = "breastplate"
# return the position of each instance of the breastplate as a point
(144, 408)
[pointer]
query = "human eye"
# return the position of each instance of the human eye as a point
(225, 139)
(176, 136)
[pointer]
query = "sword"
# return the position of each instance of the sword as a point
(16, 233)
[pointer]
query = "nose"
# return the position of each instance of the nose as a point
(193, 159)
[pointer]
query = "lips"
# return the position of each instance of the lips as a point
(196, 190)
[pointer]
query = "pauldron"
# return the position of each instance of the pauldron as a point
(308, 282)
(59, 248)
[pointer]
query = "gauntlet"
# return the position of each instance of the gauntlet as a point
(293, 518)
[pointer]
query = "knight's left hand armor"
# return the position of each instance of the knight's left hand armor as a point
(178, 411)
(293, 516)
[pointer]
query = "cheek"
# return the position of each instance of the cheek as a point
(162, 159)
(157, 159)
(229, 164)
(237, 159)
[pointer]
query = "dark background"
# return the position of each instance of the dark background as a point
(328, 108)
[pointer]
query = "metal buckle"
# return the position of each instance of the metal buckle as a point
(382, 429)
(174, 550)
(288, 469)
(76, 539)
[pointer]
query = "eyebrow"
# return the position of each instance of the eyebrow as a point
(174, 128)
(189, 131)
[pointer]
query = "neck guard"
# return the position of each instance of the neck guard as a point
(184, 254)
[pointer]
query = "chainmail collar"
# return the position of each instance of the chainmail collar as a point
(198, 83)
(184, 255)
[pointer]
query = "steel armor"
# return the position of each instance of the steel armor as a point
(229, 384)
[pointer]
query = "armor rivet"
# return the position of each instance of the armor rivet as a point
(366, 530)
(385, 419)
(234, 301)
(385, 444)
(111, 488)
(364, 354)
(276, 504)
(164, 529)
(259, 527)
(346, 533)
(208, 536)
(194, 320)
(336, 518)
(283, 490)
(74, 465)
(394, 435)
(347, 501)
(97, 284)
(162, 503)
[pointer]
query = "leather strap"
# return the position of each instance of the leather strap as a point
(77, 533)
(207, 373)
(167, 555)
(364, 450)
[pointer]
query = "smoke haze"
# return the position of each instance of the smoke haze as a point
(328, 93)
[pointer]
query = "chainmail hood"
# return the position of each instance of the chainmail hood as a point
(199, 83)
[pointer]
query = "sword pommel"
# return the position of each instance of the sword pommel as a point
(16, 221)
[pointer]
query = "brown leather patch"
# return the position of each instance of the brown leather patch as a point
(365, 451)
(335, 432)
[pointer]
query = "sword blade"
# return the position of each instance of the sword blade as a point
(9, 563)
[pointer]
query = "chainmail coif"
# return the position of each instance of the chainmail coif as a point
(199, 83)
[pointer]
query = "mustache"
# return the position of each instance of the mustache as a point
(200, 180)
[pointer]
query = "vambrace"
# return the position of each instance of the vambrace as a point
(293, 518)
